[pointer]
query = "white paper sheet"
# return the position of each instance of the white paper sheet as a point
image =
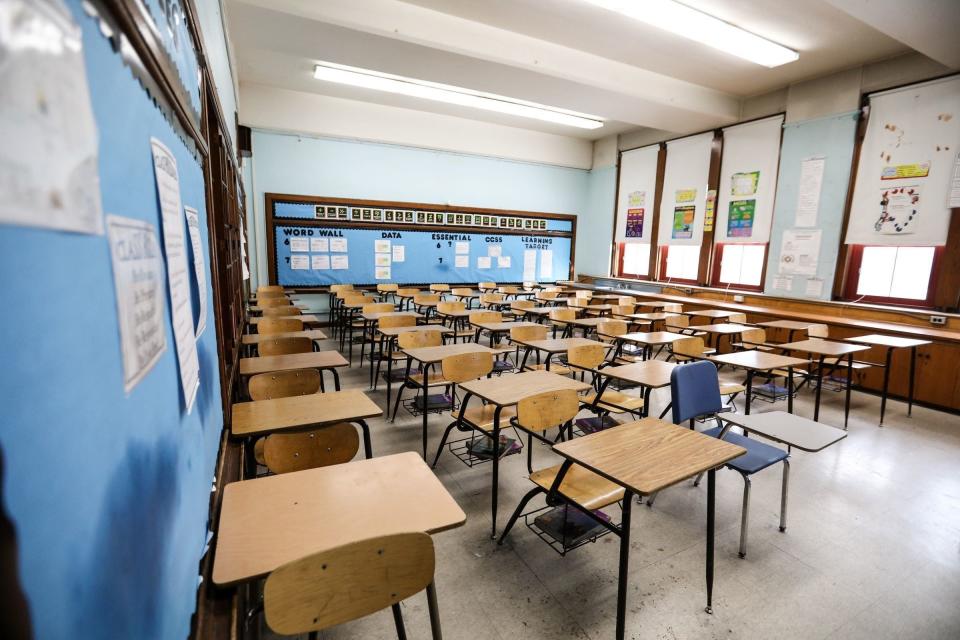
(338, 245)
(319, 245)
(494, 250)
(298, 263)
(320, 263)
(399, 255)
(199, 264)
(799, 252)
(463, 247)
(783, 283)
(462, 262)
(808, 193)
(339, 262)
(138, 278)
(484, 262)
(299, 244)
(381, 259)
(530, 265)
(381, 246)
(546, 264)
(503, 262)
(814, 288)
(178, 278)
(382, 273)
(953, 195)
(48, 158)
(243, 251)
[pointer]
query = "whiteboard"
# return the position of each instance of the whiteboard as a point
(748, 180)
(687, 173)
(906, 164)
(636, 191)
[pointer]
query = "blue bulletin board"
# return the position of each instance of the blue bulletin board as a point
(356, 245)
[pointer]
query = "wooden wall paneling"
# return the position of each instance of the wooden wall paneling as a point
(843, 256)
(946, 294)
(713, 182)
(615, 260)
(652, 272)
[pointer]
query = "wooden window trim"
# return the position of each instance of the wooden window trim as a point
(855, 252)
(718, 262)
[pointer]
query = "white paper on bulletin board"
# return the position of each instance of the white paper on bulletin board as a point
(503, 262)
(381, 246)
(399, 253)
(299, 244)
(338, 245)
(382, 273)
(462, 262)
(199, 265)
(299, 262)
(319, 245)
(546, 264)
(530, 265)
(320, 263)
(494, 251)
(799, 252)
(381, 259)
(484, 262)
(339, 262)
(808, 192)
(462, 248)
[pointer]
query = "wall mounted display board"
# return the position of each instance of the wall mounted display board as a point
(684, 199)
(316, 242)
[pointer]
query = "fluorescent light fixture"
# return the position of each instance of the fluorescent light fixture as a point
(701, 27)
(377, 81)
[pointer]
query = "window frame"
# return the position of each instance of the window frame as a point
(623, 274)
(852, 281)
(662, 267)
(718, 263)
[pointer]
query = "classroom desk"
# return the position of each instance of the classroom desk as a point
(466, 298)
(306, 318)
(270, 521)
(298, 413)
(823, 349)
(259, 309)
(648, 339)
(257, 338)
(387, 338)
(598, 309)
(586, 324)
(712, 314)
(375, 317)
(649, 374)
(541, 313)
(405, 300)
(432, 355)
(653, 304)
(506, 391)
(790, 325)
(761, 361)
(496, 329)
(891, 343)
(553, 346)
(717, 331)
(645, 457)
(788, 429)
(322, 360)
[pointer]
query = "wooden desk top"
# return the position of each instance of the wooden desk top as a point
(725, 328)
(456, 314)
(503, 326)
(586, 322)
(653, 304)
(395, 331)
(373, 317)
(652, 337)
(895, 342)
(436, 354)
(820, 347)
(305, 317)
(649, 373)
(758, 360)
(792, 325)
(652, 317)
(509, 389)
(709, 313)
(269, 521)
(280, 414)
(256, 308)
(543, 311)
(256, 338)
(472, 294)
(790, 429)
(648, 455)
(312, 360)
(559, 345)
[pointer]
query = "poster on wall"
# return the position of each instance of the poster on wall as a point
(899, 207)
(685, 195)
(635, 222)
(138, 279)
(637, 199)
(744, 184)
(199, 265)
(808, 193)
(902, 171)
(740, 218)
(799, 252)
(683, 222)
(710, 211)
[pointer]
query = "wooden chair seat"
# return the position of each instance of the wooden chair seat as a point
(616, 401)
(797, 373)
(435, 379)
(580, 485)
(558, 369)
(841, 365)
(628, 359)
(481, 416)
(730, 388)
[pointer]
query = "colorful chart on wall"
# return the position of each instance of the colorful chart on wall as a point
(635, 222)
(740, 218)
(683, 221)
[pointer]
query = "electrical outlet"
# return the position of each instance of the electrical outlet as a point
(738, 298)
(938, 319)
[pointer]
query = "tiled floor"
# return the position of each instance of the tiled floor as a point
(872, 548)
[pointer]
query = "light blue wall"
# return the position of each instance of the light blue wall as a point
(210, 16)
(596, 237)
(327, 167)
(108, 491)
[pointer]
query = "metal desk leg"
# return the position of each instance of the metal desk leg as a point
(886, 384)
(624, 564)
(367, 447)
(711, 502)
(749, 391)
(846, 403)
(336, 379)
(426, 390)
(913, 370)
(496, 472)
(816, 405)
(789, 390)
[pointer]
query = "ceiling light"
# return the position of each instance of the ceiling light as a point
(703, 28)
(451, 95)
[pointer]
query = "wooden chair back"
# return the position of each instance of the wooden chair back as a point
(529, 286)
(523, 304)
(284, 384)
(560, 315)
(392, 322)
(454, 306)
(627, 300)
(485, 316)
(508, 290)
(269, 288)
(335, 444)
(417, 339)
(738, 318)
(440, 288)
(347, 582)
(387, 288)
(528, 333)
(612, 328)
(271, 295)
(753, 337)
(673, 307)
(408, 292)
(588, 356)
(485, 286)
(689, 347)
(284, 346)
(677, 322)
(466, 366)
(426, 298)
(269, 326)
(578, 302)
(546, 294)
(547, 410)
(337, 288)
(378, 307)
(282, 310)
(491, 298)
(279, 301)
(553, 289)
(461, 291)
(356, 297)
(623, 309)
(583, 294)
(818, 331)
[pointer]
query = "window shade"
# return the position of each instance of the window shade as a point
(906, 165)
(685, 190)
(638, 182)
(748, 181)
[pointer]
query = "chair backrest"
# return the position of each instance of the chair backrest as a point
(753, 336)
(553, 289)
(269, 326)
(271, 295)
(692, 347)
(335, 444)
(284, 346)
(417, 339)
(284, 384)
(627, 300)
(378, 307)
(588, 356)
(673, 307)
(578, 302)
(408, 291)
(547, 410)
(426, 298)
(279, 301)
(529, 285)
(488, 298)
(337, 288)
(584, 294)
(283, 310)
(562, 314)
(344, 583)
(529, 332)
(267, 288)
(466, 366)
(453, 306)
(523, 304)
(356, 297)
(509, 289)
(623, 309)
(487, 285)
(387, 288)
(485, 316)
(738, 318)
(612, 328)
(677, 322)
(461, 291)
(818, 331)
(440, 287)
(694, 391)
(392, 322)
(548, 295)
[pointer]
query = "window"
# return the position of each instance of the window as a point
(680, 262)
(740, 265)
(634, 259)
(897, 275)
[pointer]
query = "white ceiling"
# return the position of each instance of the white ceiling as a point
(563, 53)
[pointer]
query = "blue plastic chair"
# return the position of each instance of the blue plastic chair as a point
(695, 392)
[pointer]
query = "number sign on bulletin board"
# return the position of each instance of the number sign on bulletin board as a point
(316, 242)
